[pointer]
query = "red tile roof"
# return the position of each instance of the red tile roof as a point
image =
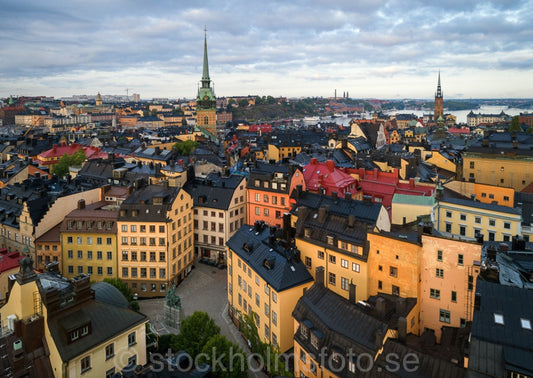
(326, 175)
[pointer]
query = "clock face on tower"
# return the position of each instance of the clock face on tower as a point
(206, 98)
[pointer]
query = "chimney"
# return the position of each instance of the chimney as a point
(412, 183)
(375, 174)
(400, 305)
(313, 161)
(334, 195)
(351, 220)
(81, 204)
(402, 328)
(82, 287)
(298, 191)
(477, 301)
(348, 196)
(352, 296)
(287, 226)
(380, 308)
(331, 165)
(379, 338)
(319, 276)
(322, 213)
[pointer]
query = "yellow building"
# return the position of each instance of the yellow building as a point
(68, 328)
(407, 208)
(155, 237)
(89, 241)
(466, 218)
(279, 152)
(482, 192)
(265, 279)
(334, 235)
(509, 168)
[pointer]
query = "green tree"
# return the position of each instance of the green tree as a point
(243, 103)
(186, 148)
(227, 359)
(515, 125)
(274, 363)
(195, 331)
(165, 343)
(61, 168)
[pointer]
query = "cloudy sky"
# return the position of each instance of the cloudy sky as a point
(369, 48)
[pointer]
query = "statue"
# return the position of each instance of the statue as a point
(173, 300)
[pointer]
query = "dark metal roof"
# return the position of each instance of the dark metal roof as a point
(283, 271)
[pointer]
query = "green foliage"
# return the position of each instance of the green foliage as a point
(166, 342)
(186, 148)
(66, 161)
(271, 355)
(243, 103)
(196, 330)
(227, 359)
(177, 110)
(515, 125)
(530, 130)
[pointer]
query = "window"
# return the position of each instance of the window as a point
(439, 273)
(110, 373)
(80, 254)
(302, 356)
(345, 283)
(320, 255)
(492, 222)
(85, 364)
(70, 253)
(100, 271)
(344, 263)
(507, 225)
(132, 360)
(109, 351)
(99, 255)
(80, 269)
(444, 316)
(109, 271)
(462, 217)
(448, 214)
(274, 318)
(332, 259)
(525, 323)
(265, 211)
(462, 230)
(498, 319)
(109, 255)
(75, 335)
(355, 267)
(124, 272)
(69, 239)
(332, 279)
(460, 259)
(448, 227)
(265, 198)
(257, 211)
(131, 339)
(89, 240)
(454, 296)
(395, 290)
(477, 220)
(274, 297)
(393, 271)
(380, 285)
(108, 241)
(471, 164)
(257, 197)
(506, 198)
(308, 262)
(439, 255)
(434, 293)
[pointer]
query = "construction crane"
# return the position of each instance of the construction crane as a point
(35, 122)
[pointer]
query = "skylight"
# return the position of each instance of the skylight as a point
(526, 323)
(498, 319)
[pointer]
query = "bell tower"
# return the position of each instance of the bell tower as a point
(439, 103)
(206, 102)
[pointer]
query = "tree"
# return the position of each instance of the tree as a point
(66, 161)
(165, 343)
(515, 125)
(196, 330)
(243, 103)
(186, 148)
(227, 359)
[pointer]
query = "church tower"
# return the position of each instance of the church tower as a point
(98, 101)
(439, 104)
(206, 102)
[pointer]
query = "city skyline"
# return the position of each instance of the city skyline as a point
(379, 49)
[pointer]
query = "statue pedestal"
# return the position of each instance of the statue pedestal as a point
(172, 316)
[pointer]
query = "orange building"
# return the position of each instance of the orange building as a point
(269, 188)
(447, 282)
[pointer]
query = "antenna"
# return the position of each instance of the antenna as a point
(127, 97)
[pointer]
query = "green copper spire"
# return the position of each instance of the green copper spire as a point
(206, 81)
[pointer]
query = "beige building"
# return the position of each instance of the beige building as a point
(219, 211)
(68, 328)
(155, 239)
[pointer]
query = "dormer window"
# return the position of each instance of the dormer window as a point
(331, 239)
(498, 319)
(304, 331)
(74, 335)
(84, 330)
(525, 323)
(307, 232)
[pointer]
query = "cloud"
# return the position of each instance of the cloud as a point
(303, 47)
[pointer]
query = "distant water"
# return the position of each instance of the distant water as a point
(461, 114)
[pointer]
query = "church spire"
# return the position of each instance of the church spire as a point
(439, 91)
(206, 81)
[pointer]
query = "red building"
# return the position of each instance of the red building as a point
(52, 156)
(327, 178)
